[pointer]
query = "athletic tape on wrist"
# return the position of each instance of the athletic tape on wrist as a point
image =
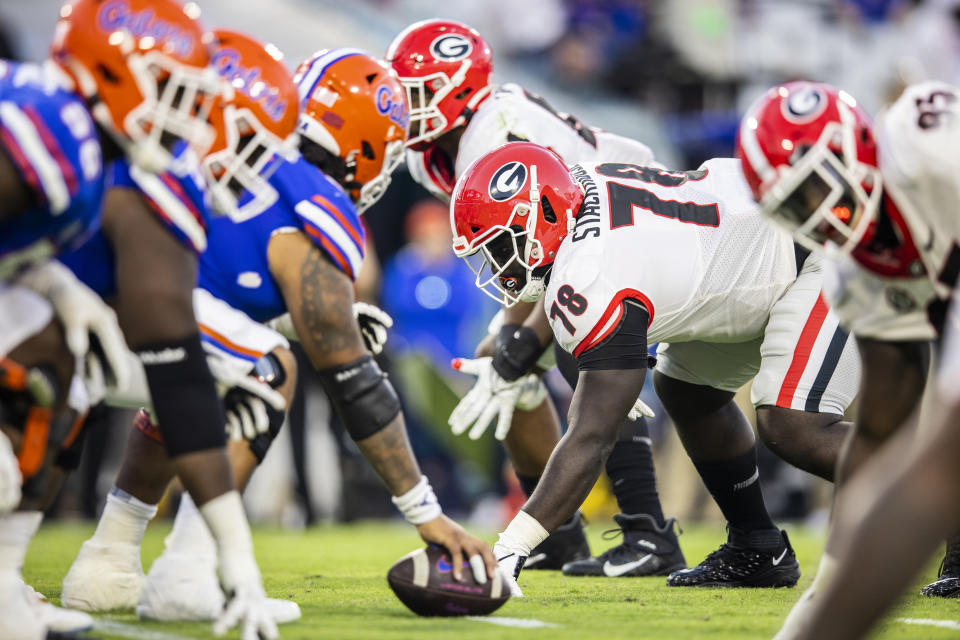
(420, 504)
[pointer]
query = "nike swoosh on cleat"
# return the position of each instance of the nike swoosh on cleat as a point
(614, 570)
(776, 561)
(532, 560)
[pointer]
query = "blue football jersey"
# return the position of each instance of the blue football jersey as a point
(179, 199)
(235, 269)
(49, 136)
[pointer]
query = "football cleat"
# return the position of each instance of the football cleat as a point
(18, 618)
(103, 578)
(56, 619)
(184, 587)
(754, 559)
(646, 550)
(947, 584)
(566, 544)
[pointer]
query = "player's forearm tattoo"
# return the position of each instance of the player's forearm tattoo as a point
(326, 296)
(389, 452)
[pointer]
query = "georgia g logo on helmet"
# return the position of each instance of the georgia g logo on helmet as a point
(507, 181)
(804, 104)
(451, 47)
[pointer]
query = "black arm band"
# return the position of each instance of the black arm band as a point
(516, 351)
(362, 396)
(626, 347)
(185, 404)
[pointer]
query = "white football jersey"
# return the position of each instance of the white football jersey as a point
(919, 156)
(510, 114)
(692, 246)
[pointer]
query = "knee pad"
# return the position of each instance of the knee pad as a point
(362, 396)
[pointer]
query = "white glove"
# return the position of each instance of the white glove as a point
(247, 415)
(10, 478)
(82, 313)
(510, 563)
(640, 410)
(374, 323)
(490, 396)
(248, 607)
(229, 376)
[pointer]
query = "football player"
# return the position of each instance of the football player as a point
(621, 254)
(294, 242)
(140, 69)
(883, 201)
(456, 116)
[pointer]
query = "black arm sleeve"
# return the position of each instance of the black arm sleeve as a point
(626, 347)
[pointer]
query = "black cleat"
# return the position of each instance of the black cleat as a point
(566, 544)
(756, 559)
(646, 550)
(947, 584)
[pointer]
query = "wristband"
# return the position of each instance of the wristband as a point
(419, 505)
(516, 351)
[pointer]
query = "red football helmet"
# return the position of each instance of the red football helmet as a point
(809, 155)
(256, 128)
(354, 107)
(143, 67)
(510, 210)
(445, 67)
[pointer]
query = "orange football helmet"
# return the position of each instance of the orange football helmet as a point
(255, 130)
(143, 66)
(354, 107)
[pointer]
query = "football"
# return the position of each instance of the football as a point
(423, 580)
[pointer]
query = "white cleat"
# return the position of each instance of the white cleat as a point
(18, 617)
(183, 587)
(103, 578)
(56, 618)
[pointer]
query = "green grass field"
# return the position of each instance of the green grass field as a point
(337, 574)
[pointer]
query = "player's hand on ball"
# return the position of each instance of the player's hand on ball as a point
(510, 562)
(460, 544)
(491, 397)
(247, 608)
(374, 323)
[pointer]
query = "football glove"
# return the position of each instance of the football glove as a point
(640, 410)
(246, 400)
(249, 608)
(510, 562)
(83, 315)
(492, 397)
(372, 320)
(374, 323)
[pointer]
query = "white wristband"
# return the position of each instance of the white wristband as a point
(523, 533)
(420, 504)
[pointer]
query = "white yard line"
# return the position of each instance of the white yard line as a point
(133, 632)
(929, 622)
(520, 623)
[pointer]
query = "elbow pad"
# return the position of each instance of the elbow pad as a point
(362, 396)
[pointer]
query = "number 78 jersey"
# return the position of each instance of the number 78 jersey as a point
(691, 246)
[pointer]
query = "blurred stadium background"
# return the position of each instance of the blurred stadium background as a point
(674, 74)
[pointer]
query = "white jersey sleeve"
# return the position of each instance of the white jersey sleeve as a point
(919, 156)
(871, 306)
(511, 113)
